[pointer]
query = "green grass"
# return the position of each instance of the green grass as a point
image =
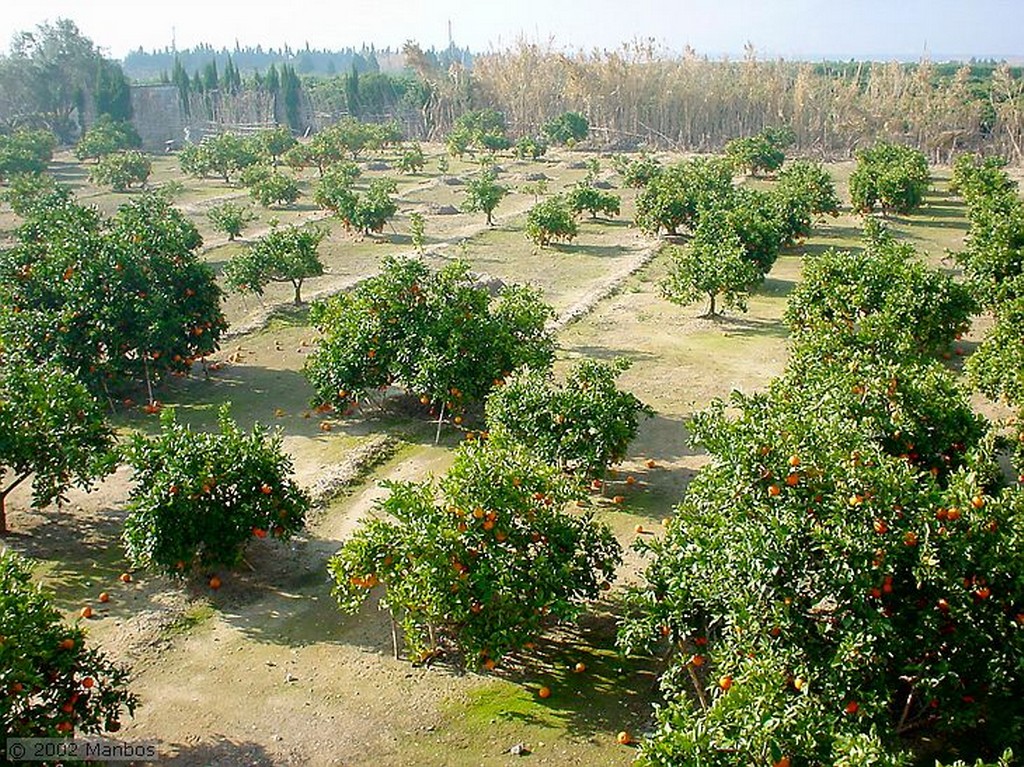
(195, 615)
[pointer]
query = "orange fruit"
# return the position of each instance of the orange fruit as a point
(783, 762)
(630, 480)
(774, 490)
(259, 532)
(650, 463)
(794, 460)
(852, 707)
(489, 664)
(725, 683)
(580, 667)
(639, 529)
(104, 597)
(697, 660)
(88, 682)
(126, 577)
(266, 489)
(624, 738)
(215, 583)
(619, 499)
(953, 514)
(67, 644)
(978, 502)
(457, 419)
(86, 612)
(544, 692)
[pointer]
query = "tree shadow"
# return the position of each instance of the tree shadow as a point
(775, 286)
(662, 438)
(746, 326)
(79, 553)
(597, 251)
(291, 604)
(68, 172)
(612, 693)
(221, 751)
(816, 249)
(605, 353)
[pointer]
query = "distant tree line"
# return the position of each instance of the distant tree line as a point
(54, 77)
(151, 66)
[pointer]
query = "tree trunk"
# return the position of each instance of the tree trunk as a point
(711, 308)
(3, 500)
(298, 292)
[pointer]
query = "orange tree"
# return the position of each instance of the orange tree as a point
(677, 195)
(199, 497)
(824, 595)
(804, 191)
(483, 193)
(714, 263)
(891, 175)
(997, 366)
(368, 212)
(51, 430)
(549, 220)
(281, 255)
(881, 298)
(119, 301)
(25, 151)
(53, 684)
(439, 335)
(483, 563)
(582, 426)
(763, 152)
(584, 196)
(637, 172)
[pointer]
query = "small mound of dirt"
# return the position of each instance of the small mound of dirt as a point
(537, 176)
(442, 210)
(377, 165)
(453, 181)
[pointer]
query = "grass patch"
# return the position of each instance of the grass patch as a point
(195, 615)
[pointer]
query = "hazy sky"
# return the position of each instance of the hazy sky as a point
(843, 28)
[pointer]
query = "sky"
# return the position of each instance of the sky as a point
(788, 28)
